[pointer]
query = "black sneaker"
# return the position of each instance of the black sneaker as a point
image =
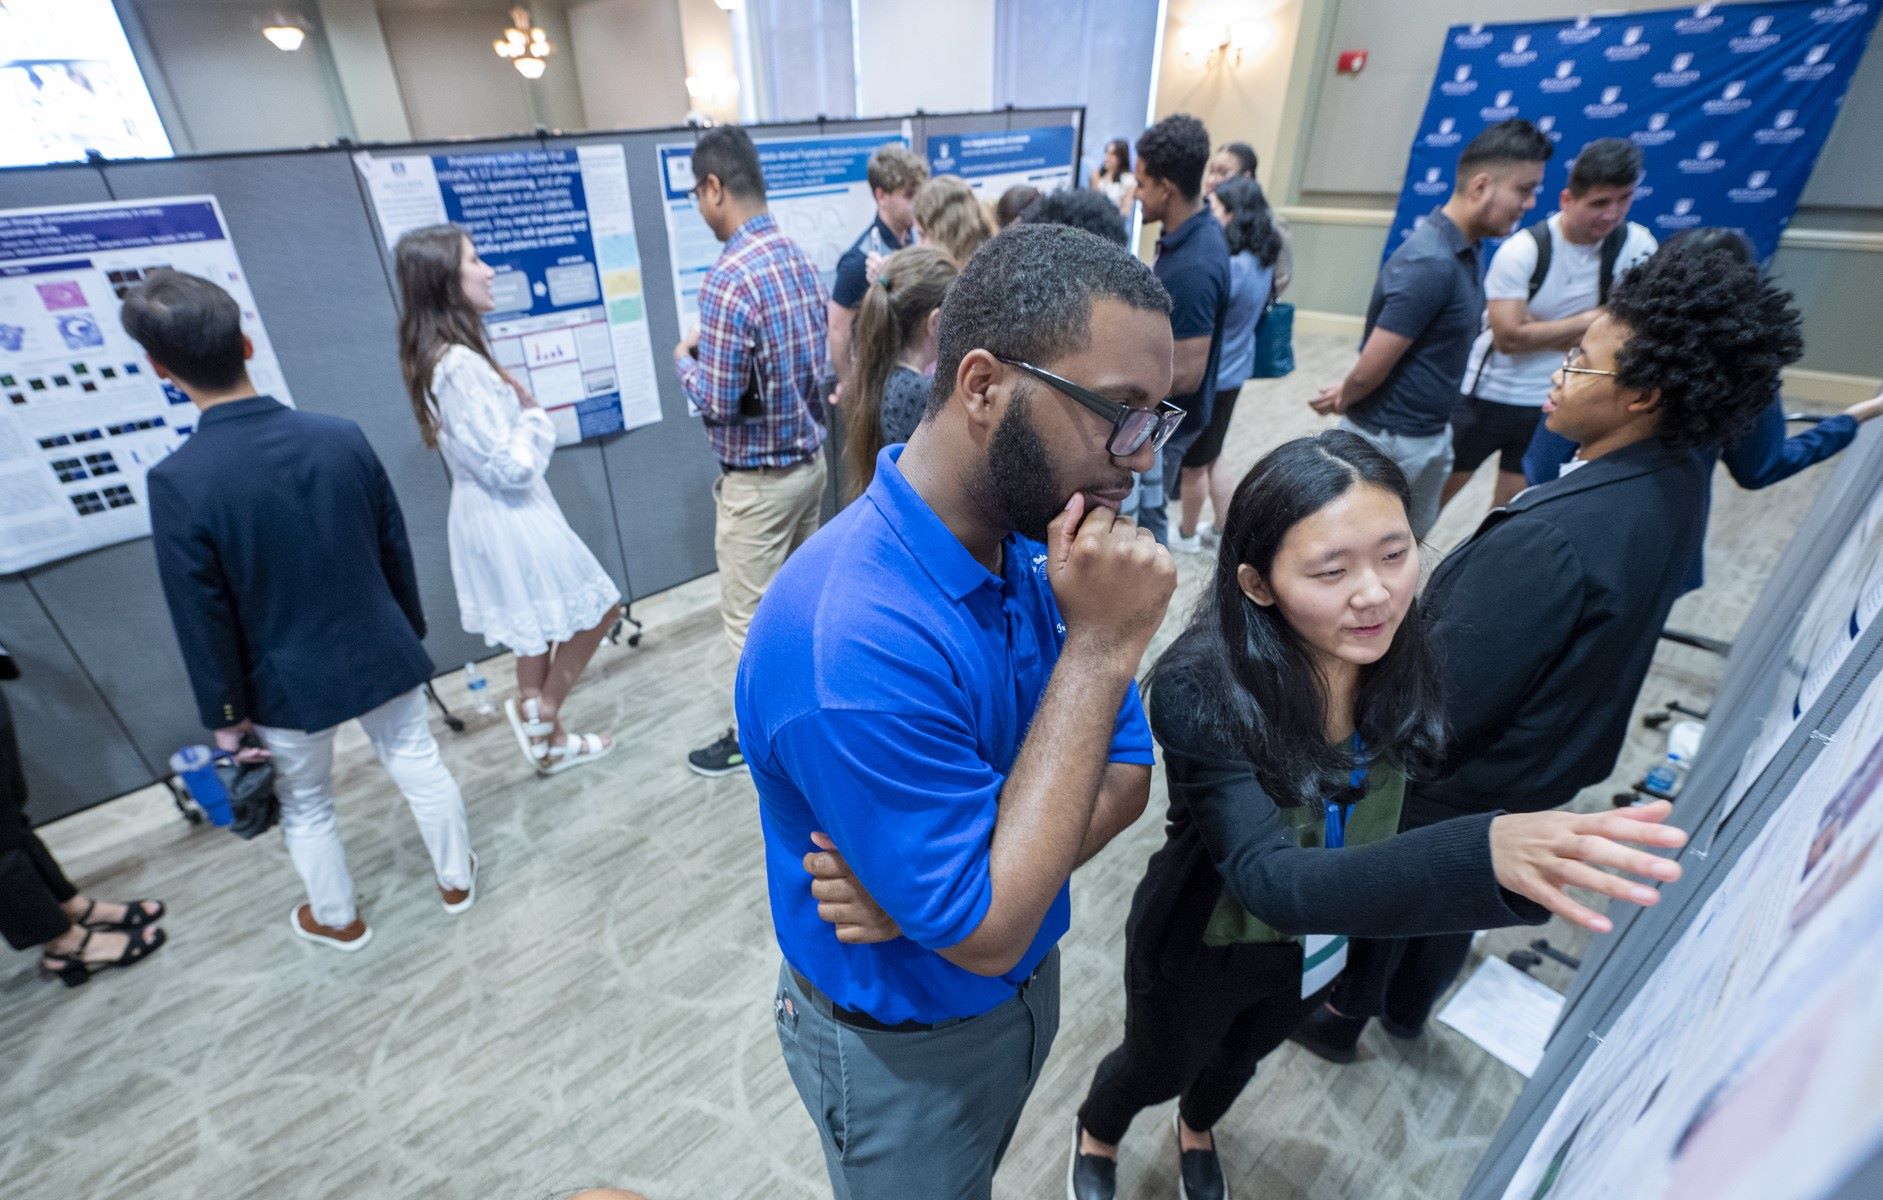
(1403, 1032)
(1326, 1034)
(1199, 1172)
(1090, 1176)
(720, 758)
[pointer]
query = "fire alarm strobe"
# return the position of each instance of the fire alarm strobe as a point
(1352, 62)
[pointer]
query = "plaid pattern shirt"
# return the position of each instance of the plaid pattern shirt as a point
(763, 300)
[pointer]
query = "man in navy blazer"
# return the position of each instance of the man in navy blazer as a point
(284, 560)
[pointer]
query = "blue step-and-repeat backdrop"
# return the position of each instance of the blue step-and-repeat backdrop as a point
(1730, 104)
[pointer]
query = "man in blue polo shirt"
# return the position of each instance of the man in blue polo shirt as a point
(940, 684)
(1193, 265)
(1426, 310)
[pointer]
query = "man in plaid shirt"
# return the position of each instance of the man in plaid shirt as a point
(752, 370)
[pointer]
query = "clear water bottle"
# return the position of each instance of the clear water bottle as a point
(1665, 777)
(479, 689)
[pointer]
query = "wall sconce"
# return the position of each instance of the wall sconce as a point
(1216, 44)
(729, 5)
(285, 30)
(714, 88)
(524, 45)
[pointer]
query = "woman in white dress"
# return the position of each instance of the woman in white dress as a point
(524, 579)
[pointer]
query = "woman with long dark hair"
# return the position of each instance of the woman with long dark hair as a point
(1249, 228)
(1113, 176)
(1291, 713)
(524, 579)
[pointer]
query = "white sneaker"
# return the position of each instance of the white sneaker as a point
(1187, 545)
(1206, 533)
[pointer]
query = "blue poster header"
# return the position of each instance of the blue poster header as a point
(1729, 103)
(1043, 150)
(791, 165)
(93, 230)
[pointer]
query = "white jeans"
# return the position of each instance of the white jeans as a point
(402, 738)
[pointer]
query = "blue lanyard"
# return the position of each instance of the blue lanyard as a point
(1334, 835)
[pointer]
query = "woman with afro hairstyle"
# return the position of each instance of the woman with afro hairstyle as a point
(1546, 619)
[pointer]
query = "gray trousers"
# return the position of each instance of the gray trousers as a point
(1426, 462)
(918, 1116)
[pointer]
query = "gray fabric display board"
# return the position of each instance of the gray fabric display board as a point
(1618, 965)
(105, 698)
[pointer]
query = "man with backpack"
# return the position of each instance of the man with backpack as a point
(1545, 286)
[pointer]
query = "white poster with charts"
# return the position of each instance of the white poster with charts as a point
(82, 416)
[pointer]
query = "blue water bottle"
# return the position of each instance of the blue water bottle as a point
(196, 765)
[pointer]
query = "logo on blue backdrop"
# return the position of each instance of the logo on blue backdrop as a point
(1584, 30)
(1813, 68)
(1682, 216)
(1611, 104)
(1679, 74)
(1473, 38)
(1758, 36)
(1445, 135)
(1631, 47)
(1565, 79)
(1519, 54)
(1501, 109)
(1546, 125)
(1783, 131)
(1656, 134)
(1704, 160)
(1433, 184)
(1842, 10)
(1731, 100)
(1460, 84)
(1703, 20)
(1755, 191)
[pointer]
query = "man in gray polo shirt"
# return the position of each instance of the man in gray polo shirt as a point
(1427, 308)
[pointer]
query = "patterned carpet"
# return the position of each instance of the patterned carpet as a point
(603, 1014)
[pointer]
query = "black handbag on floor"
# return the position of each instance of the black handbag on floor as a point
(251, 792)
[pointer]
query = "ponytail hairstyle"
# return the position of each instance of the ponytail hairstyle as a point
(890, 319)
(435, 315)
(1251, 222)
(1253, 676)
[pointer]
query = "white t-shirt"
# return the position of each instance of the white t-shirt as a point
(1572, 286)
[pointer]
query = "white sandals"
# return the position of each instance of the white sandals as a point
(533, 733)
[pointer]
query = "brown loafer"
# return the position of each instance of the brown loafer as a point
(346, 939)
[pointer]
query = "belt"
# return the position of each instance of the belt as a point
(729, 468)
(853, 1018)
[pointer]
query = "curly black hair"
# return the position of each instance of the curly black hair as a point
(1081, 209)
(1176, 150)
(1028, 294)
(1709, 332)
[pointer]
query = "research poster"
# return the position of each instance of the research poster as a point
(557, 225)
(1749, 1066)
(994, 160)
(818, 189)
(82, 416)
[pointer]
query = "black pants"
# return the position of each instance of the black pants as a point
(1198, 1036)
(31, 884)
(1209, 447)
(1400, 979)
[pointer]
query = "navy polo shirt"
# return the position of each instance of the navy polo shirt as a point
(886, 687)
(852, 278)
(1193, 265)
(1430, 291)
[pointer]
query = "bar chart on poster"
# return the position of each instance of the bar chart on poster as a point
(571, 321)
(82, 415)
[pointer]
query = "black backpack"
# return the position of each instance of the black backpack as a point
(1539, 233)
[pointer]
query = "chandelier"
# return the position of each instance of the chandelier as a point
(524, 45)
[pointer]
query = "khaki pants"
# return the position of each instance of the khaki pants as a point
(762, 516)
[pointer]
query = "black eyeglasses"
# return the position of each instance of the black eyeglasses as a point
(1131, 428)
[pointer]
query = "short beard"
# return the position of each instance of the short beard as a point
(1022, 486)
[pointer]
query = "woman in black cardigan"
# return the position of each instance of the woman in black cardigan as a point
(1290, 714)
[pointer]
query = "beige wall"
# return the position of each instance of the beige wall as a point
(710, 59)
(629, 60)
(924, 54)
(454, 86)
(1240, 102)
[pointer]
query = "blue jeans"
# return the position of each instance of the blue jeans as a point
(1145, 504)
